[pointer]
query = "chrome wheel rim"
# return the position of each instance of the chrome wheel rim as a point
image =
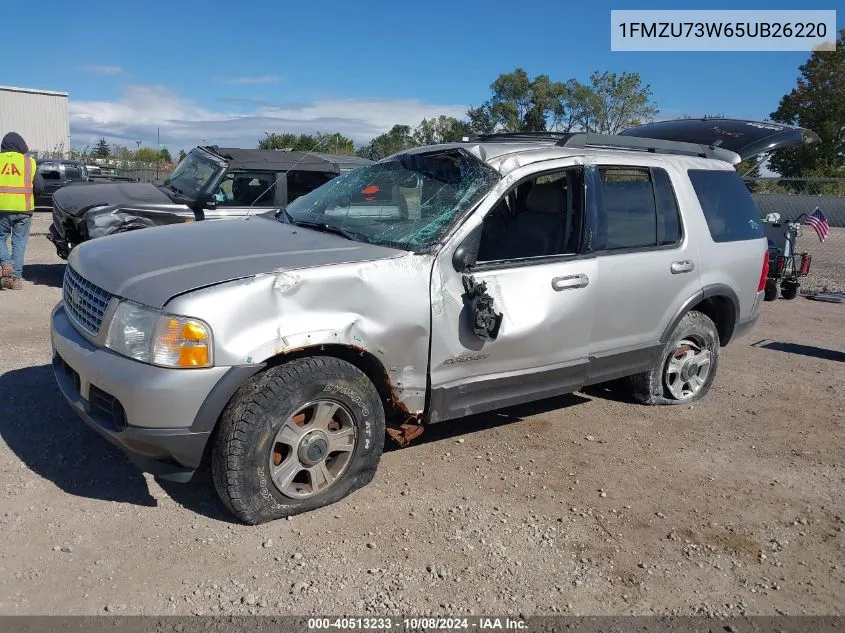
(312, 449)
(687, 369)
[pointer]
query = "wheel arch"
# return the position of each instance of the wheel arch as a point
(358, 357)
(719, 302)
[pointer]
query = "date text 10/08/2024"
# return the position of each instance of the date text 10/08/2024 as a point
(416, 623)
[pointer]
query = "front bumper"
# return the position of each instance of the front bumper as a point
(62, 245)
(161, 418)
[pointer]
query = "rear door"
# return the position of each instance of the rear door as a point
(648, 264)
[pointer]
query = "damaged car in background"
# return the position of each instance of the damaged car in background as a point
(210, 183)
(440, 282)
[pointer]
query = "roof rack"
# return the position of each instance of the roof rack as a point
(580, 140)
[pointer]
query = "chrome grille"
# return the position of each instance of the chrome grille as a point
(84, 301)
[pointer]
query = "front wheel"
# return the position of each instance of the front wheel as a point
(298, 436)
(687, 365)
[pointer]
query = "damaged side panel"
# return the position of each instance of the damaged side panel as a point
(380, 306)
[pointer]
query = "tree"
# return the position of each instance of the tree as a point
(282, 141)
(147, 155)
(334, 143)
(398, 138)
(182, 155)
(101, 149)
(519, 104)
(441, 129)
(617, 102)
(164, 154)
(817, 103)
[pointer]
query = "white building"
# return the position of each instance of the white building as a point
(39, 116)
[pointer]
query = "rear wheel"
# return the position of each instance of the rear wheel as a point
(789, 289)
(771, 290)
(297, 437)
(687, 365)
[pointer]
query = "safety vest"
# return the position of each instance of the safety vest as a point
(17, 173)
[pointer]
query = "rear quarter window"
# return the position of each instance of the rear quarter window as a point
(729, 209)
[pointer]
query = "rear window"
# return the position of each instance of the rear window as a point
(730, 211)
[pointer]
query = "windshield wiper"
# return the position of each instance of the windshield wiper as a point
(323, 226)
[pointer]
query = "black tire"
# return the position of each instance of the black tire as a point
(248, 427)
(771, 290)
(651, 388)
(789, 290)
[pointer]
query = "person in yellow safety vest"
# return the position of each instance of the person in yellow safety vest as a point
(18, 185)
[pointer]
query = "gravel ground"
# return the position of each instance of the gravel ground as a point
(585, 504)
(827, 271)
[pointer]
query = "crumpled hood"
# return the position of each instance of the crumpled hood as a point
(153, 265)
(76, 200)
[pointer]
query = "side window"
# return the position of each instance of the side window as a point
(302, 182)
(729, 209)
(630, 212)
(668, 214)
(540, 217)
(72, 172)
(245, 188)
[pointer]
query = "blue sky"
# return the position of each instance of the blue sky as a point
(224, 72)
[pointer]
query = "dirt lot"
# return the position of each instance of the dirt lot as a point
(587, 504)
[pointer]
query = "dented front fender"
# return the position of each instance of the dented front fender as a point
(381, 307)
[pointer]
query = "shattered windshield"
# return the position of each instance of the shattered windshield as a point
(408, 202)
(194, 173)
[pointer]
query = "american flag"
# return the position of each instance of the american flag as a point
(819, 223)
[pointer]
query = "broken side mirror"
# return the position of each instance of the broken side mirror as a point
(464, 257)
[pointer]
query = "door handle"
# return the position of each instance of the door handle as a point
(570, 282)
(684, 266)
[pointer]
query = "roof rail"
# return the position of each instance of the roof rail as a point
(576, 140)
(652, 145)
(523, 136)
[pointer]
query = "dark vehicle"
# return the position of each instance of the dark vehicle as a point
(57, 173)
(210, 183)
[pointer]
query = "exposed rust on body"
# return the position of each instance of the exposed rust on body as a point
(406, 433)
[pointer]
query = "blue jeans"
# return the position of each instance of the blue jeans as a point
(16, 225)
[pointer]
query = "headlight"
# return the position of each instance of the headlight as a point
(153, 337)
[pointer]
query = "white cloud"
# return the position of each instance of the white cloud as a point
(243, 81)
(102, 70)
(184, 123)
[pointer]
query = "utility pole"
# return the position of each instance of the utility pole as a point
(158, 139)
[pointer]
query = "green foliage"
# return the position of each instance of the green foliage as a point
(164, 153)
(101, 149)
(321, 142)
(610, 103)
(398, 138)
(519, 104)
(148, 155)
(817, 103)
(182, 154)
(616, 102)
(441, 129)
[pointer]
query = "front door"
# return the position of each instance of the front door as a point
(542, 286)
(647, 265)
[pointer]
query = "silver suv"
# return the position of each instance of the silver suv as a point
(440, 282)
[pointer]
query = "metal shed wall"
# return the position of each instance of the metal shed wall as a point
(40, 116)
